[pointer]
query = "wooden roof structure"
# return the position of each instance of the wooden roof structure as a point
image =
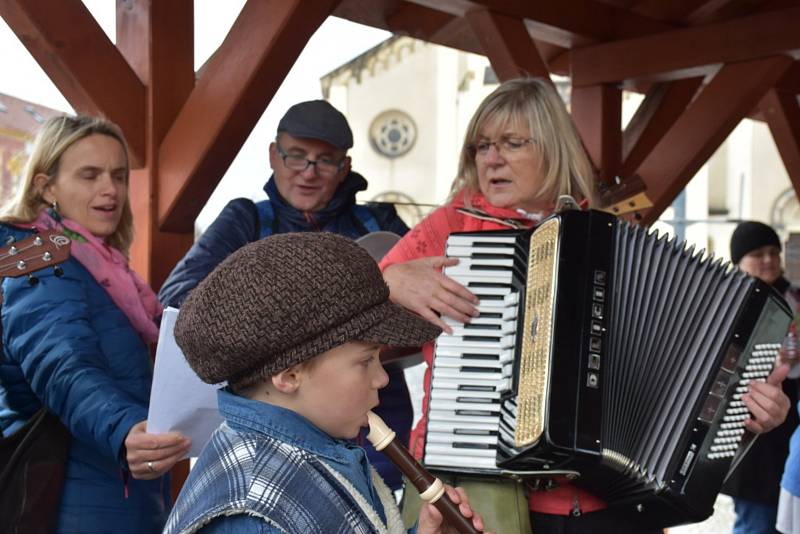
(702, 64)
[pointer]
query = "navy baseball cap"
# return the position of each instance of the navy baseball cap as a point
(317, 119)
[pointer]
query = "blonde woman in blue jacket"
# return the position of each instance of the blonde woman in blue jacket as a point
(78, 344)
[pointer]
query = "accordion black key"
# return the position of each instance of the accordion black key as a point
(607, 351)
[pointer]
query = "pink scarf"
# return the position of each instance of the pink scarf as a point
(109, 267)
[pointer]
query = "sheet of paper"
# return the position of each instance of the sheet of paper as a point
(179, 400)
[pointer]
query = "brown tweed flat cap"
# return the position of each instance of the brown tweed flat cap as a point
(285, 299)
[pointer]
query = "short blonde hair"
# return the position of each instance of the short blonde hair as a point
(53, 139)
(534, 103)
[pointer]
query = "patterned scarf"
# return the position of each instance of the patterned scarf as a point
(109, 267)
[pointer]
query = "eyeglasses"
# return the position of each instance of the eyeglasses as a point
(323, 166)
(506, 146)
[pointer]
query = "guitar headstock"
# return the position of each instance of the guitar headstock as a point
(45, 249)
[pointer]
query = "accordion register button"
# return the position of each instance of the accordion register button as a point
(594, 361)
(600, 278)
(599, 294)
(592, 380)
(594, 344)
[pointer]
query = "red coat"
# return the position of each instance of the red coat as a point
(427, 239)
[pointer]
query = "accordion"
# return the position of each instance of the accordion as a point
(604, 351)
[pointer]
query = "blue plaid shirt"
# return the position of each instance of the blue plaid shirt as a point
(247, 417)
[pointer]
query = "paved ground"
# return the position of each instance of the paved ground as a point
(720, 523)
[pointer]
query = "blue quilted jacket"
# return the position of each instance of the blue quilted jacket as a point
(242, 221)
(66, 345)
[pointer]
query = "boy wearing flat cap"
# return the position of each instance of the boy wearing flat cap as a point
(294, 323)
(755, 484)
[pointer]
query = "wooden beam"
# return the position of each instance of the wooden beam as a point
(597, 113)
(782, 113)
(673, 11)
(719, 10)
(662, 106)
(433, 26)
(707, 11)
(564, 23)
(157, 39)
(508, 45)
(420, 22)
(83, 63)
(705, 124)
(227, 101)
(759, 35)
(625, 4)
(790, 83)
(455, 32)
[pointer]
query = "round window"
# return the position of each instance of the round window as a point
(392, 133)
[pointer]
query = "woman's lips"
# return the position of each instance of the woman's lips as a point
(106, 211)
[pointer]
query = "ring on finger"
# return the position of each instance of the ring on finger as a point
(150, 467)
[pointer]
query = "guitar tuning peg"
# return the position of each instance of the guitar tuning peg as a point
(32, 280)
(58, 271)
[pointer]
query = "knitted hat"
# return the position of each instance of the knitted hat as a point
(749, 236)
(288, 298)
(317, 119)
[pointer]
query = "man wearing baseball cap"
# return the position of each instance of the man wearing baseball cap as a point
(312, 188)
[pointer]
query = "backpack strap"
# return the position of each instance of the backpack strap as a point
(366, 218)
(266, 219)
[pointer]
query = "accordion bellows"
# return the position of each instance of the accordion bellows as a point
(606, 351)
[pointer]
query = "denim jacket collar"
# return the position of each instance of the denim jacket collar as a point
(282, 424)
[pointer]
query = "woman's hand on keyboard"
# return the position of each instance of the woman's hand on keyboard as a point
(420, 286)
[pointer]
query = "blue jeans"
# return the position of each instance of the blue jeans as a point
(754, 517)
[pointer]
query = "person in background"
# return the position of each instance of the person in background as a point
(520, 153)
(78, 343)
(302, 374)
(755, 483)
(312, 188)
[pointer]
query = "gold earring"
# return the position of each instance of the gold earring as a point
(54, 205)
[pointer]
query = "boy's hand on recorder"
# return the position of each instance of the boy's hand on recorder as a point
(431, 521)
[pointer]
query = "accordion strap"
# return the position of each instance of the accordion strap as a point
(514, 224)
